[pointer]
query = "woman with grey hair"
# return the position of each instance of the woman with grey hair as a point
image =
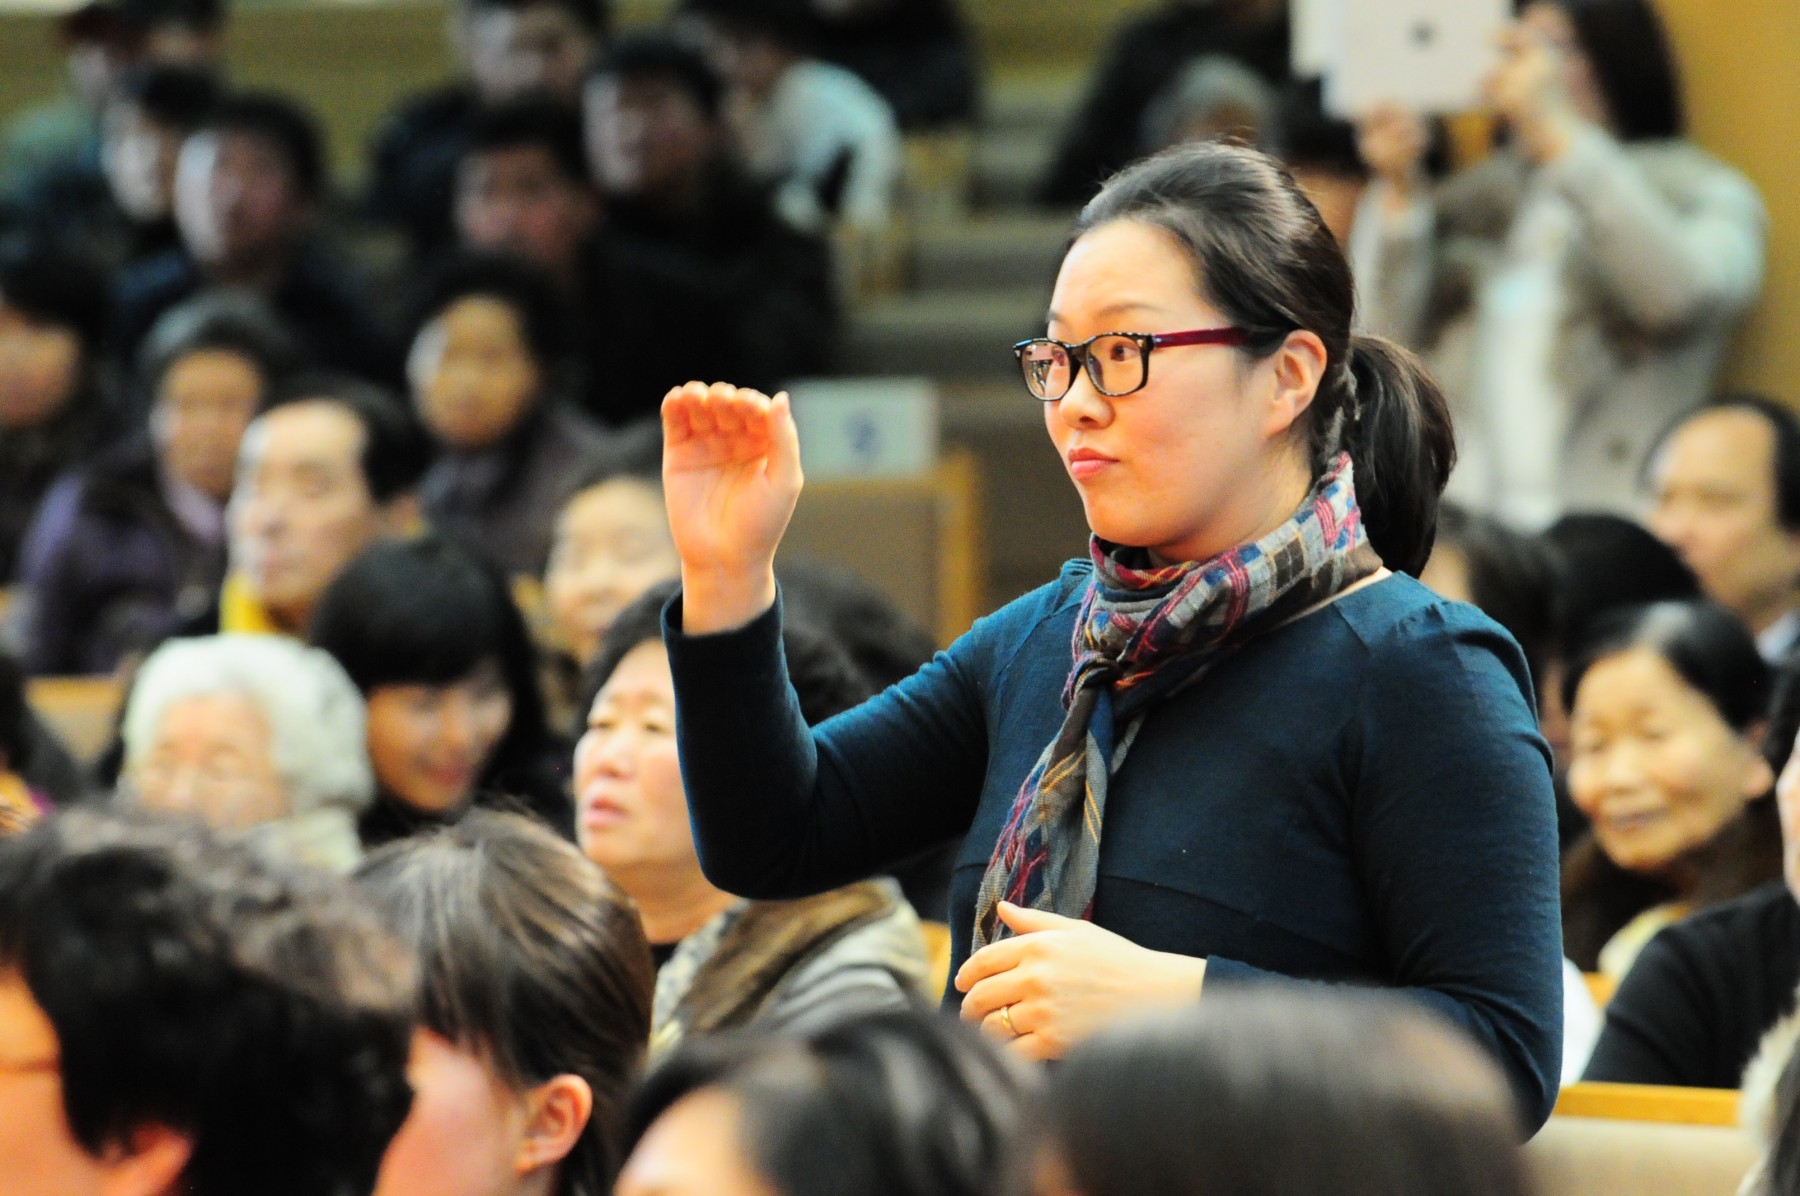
(252, 731)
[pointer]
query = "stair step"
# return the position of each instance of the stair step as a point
(944, 334)
(1010, 249)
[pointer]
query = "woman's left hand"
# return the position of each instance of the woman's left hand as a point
(1061, 979)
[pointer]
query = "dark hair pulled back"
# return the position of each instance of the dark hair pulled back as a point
(1264, 258)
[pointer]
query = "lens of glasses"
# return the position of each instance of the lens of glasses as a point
(1047, 369)
(1116, 365)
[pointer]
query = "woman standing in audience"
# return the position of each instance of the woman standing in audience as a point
(132, 546)
(490, 369)
(1666, 710)
(723, 962)
(534, 1007)
(430, 634)
(1282, 1094)
(1577, 290)
(1232, 745)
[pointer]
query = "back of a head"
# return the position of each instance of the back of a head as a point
(1285, 1093)
(885, 644)
(1512, 578)
(528, 957)
(193, 984)
(826, 680)
(907, 1103)
(1264, 258)
(1606, 563)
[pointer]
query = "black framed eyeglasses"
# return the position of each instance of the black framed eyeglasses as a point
(1117, 363)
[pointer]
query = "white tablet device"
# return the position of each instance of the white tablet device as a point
(1426, 55)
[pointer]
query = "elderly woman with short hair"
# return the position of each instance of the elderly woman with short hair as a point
(252, 731)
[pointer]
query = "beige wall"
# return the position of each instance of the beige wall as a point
(1741, 65)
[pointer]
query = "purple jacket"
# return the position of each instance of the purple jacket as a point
(107, 569)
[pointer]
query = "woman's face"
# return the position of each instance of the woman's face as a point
(429, 744)
(1188, 466)
(1655, 768)
(1549, 25)
(464, 1132)
(612, 544)
(212, 756)
(694, 1149)
(473, 376)
(203, 405)
(40, 364)
(630, 809)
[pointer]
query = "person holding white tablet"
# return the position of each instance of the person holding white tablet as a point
(1577, 290)
(1230, 746)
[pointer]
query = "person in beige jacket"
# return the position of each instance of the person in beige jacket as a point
(1577, 290)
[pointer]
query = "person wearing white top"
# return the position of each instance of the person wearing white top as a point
(1577, 290)
(824, 138)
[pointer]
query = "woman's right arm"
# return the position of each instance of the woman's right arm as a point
(780, 810)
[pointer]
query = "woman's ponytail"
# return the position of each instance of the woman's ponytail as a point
(1397, 431)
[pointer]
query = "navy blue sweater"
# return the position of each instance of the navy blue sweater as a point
(1358, 797)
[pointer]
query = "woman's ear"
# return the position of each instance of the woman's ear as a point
(557, 1112)
(149, 1161)
(1296, 369)
(1759, 775)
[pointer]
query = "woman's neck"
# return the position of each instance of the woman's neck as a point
(673, 902)
(1257, 513)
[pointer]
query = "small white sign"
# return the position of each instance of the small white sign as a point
(1314, 26)
(866, 427)
(1426, 55)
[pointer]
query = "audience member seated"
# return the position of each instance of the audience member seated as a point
(103, 40)
(249, 186)
(54, 409)
(491, 369)
(1725, 483)
(332, 468)
(251, 732)
(747, 295)
(522, 188)
(893, 1104)
(1576, 290)
(1666, 702)
(534, 1010)
(1282, 1092)
(429, 634)
(724, 962)
(120, 206)
(17, 800)
(814, 131)
(181, 1016)
(1139, 63)
(916, 53)
(1705, 991)
(612, 543)
(505, 49)
(130, 548)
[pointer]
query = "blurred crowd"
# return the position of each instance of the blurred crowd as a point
(357, 497)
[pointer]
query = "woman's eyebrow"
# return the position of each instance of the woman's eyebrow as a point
(1113, 309)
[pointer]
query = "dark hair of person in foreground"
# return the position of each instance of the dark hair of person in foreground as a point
(528, 958)
(1282, 1092)
(252, 1009)
(910, 1103)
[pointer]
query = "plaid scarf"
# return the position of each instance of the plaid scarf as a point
(1141, 634)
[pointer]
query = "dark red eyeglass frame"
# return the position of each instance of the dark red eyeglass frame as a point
(1146, 342)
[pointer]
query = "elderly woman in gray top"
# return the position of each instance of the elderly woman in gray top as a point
(252, 732)
(1577, 290)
